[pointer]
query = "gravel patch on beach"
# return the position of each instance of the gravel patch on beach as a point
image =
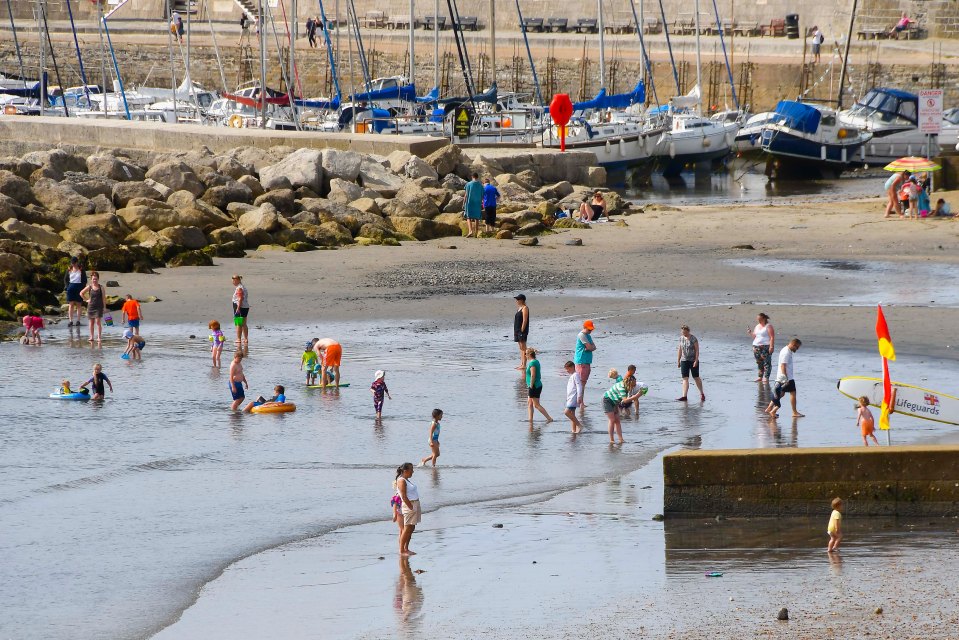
(464, 277)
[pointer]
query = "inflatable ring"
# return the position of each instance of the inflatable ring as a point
(76, 395)
(274, 407)
(236, 121)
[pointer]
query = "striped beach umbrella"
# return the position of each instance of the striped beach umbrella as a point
(913, 164)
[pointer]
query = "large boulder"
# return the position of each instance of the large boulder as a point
(123, 192)
(89, 237)
(164, 190)
(344, 191)
(596, 177)
(58, 160)
(111, 225)
(38, 215)
(91, 187)
(302, 168)
(44, 235)
(157, 216)
(374, 176)
(399, 209)
(366, 204)
(103, 204)
(418, 200)
(228, 165)
(417, 167)
(397, 160)
(18, 166)
(190, 259)
(59, 197)
(222, 195)
(446, 159)
(264, 219)
(423, 229)
(177, 175)
(513, 192)
(255, 187)
(187, 237)
(15, 187)
(19, 267)
(317, 235)
(106, 165)
(341, 235)
(344, 165)
(282, 199)
(227, 234)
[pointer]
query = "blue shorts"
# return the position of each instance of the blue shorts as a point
(139, 345)
(134, 324)
(236, 390)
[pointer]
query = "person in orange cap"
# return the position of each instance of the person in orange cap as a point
(583, 359)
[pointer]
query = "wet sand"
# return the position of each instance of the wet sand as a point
(608, 569)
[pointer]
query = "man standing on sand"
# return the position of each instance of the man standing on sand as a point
(473, 206)
(785, 383)
(330, 353)
(521, 328)
(583, 359)
(687, 360)
(574, 394)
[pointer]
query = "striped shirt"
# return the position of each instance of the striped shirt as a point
(616, 392)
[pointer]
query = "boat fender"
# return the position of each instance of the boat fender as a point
(622, 147)
(236, 121)
(822, 152)
(730, 139)
(706, 141)
(672, 149)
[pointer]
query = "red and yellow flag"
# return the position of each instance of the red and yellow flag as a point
(886, 397)
(886, 350)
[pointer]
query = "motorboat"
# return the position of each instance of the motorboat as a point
(892, 117)
(804, 138)
(949, 135)
(749, 136)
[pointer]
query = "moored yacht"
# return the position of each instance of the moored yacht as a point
(892, 117)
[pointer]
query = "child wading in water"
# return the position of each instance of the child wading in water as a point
(379, 389)
(835, 526)
(97, 382)
(217, 339)
(867, 424)
(308, 361)
(434, 440)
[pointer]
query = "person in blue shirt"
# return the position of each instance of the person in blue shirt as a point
(279, 397)
(490, 198)
(473, 206)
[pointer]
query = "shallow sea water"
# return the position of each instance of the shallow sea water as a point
(114, 514)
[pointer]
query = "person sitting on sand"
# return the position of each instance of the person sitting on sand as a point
(593, 210)
(942, 209)
(279, 397)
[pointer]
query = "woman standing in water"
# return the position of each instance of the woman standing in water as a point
(521, 328)
(93, 294)
(75, 279)
(764, 341)
(410, 508)
(534, 383)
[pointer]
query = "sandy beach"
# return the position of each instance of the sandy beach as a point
(667, 267)
(236, 513)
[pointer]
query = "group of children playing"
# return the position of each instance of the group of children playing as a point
(96, 382)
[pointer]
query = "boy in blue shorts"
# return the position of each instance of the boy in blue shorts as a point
(309, 362)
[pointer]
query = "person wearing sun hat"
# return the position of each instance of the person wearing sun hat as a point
(379, 389)
(521, 328)
(583, 359)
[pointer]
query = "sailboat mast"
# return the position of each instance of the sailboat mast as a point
(492, 40)
(845, 55)
(262, 34)
(436, 43)
(699, 64)
(412, 52)
(602, 44)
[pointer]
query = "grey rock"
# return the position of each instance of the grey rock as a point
(230, 166)
(783, 614)
(418, 200)
(254, 185)
(108, 223)
(58, 160)
(374, 176)
(445, 160)
(91, 238)
(343, 165)
(177, 176)
(181, 200)
(417, 167)
(16, 265)
(93, 187)
(453, 182)
(344, 191)
(226, 235)
(123, 192)
(596, 177)
(574, 242)
(212, 179)
(396, 161)
(18, 166)
(282, 199)
(529, 242)
(44, 235)
(455, 204)
(302, 168)
(367, 205)
(164, 190)
(427, 183)
(15, 187)
(264, 219)
(304, 217)
(222, 195)
(106, 165)
(58, 197)
(187, 237)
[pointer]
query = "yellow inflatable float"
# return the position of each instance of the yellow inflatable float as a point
(274, 407)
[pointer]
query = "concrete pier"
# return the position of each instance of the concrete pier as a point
(22, 134)
(872, 481)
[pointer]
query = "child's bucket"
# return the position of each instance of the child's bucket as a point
(108, 320)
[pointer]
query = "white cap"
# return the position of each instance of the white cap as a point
(378, 375)
(128, 334)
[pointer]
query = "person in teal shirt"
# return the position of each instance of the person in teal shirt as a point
(534, 383)
(473, 206)
(583, 360)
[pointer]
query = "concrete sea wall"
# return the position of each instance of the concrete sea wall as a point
(900, 481)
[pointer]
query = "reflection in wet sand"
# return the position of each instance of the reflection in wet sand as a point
(408, 600)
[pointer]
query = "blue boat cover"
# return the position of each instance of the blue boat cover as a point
(432, 96)
(798, 116)
(407, 92)
(618, 101)
(330, 105)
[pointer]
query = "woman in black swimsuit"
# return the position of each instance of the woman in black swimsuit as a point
(593, 210)
(521, 328)
(93, 294)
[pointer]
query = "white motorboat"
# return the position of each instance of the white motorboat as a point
(892, 117)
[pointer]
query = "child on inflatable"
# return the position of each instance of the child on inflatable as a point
(279, 397)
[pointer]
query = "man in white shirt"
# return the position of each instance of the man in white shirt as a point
(785, 383)
(574, 391)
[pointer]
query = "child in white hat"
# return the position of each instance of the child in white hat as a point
(379, 389)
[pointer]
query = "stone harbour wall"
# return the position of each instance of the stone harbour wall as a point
(873, 481)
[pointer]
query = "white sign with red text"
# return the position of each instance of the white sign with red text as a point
(930, 111)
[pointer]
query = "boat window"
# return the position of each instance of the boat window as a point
(889, 104)
(907, 110)
(828, 120)
(952, 116)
